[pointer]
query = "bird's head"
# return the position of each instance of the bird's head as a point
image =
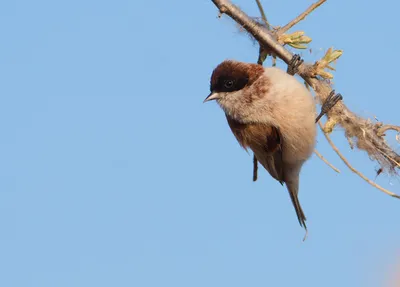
(234, 84)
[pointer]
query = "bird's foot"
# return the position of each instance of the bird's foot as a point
(294, 63)
(330, 101)
(255, 168)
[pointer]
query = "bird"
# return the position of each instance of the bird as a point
(271, 113)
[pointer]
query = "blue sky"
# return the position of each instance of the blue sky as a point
(114, 173)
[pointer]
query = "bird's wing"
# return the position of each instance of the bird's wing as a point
(264, 140)
(274, 161)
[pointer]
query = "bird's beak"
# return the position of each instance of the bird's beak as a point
(212, 96)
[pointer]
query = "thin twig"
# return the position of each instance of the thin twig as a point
(260, 7)
(328, 138)
(262, 54)
(385, 128)
(326, 161)
(301, 16)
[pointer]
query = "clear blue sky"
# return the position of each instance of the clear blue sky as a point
(114, 173)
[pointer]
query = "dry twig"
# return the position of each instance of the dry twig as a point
(328, 138)
(301, 16)
(260, 7)
(326, 161)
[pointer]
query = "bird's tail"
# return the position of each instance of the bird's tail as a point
(293, 188)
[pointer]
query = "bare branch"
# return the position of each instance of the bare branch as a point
(257, 31)
(326, 161)
(353, 169)
(301, 16)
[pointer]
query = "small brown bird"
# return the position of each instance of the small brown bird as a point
(271, 113)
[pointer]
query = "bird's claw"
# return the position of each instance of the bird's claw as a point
(294, 63)
(330, 101)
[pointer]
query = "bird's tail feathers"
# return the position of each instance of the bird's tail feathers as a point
(293, 188)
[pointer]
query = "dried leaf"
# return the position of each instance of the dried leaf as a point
(295, 39)
(330, 68)
(325, 74)
(331, 56)
(296, 34)
(305, 39)
(297, 46)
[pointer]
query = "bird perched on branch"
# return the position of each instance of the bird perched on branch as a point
(273, 114)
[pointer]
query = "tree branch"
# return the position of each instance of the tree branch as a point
(328, 138)
(326, 161)
(257, 31)
(260, 7)
(301, 16)
(359, 130)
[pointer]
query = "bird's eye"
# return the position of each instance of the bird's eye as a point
(228, 84)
